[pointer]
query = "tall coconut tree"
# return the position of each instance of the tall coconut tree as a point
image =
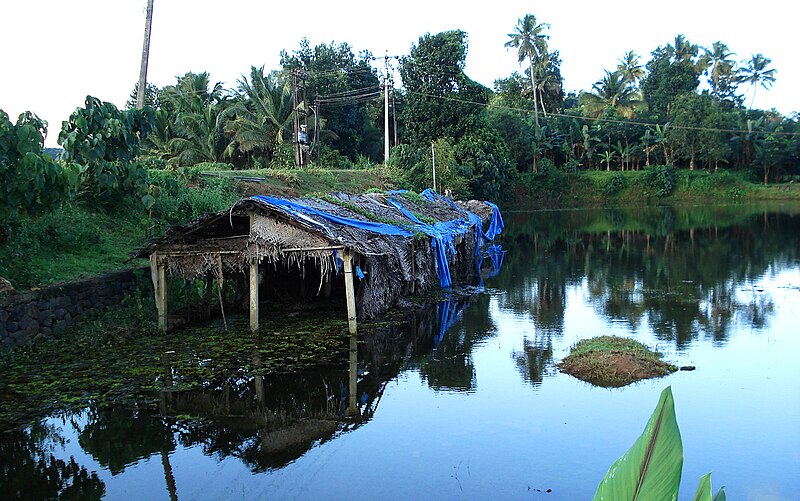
(531, 43)
(630, 68)
(201, 136)
(612, 91)
(262, 113)
(756, 72)
(721, 71)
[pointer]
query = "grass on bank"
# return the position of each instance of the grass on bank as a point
(83, 239)
(652, 186)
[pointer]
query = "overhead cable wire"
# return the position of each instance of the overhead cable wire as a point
(605, 120)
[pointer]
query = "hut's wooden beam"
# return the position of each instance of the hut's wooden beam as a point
(350, 292)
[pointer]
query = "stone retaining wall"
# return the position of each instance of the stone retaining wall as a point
(32, 316)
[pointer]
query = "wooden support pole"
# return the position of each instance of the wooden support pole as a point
(350, 292)
(253, 287)
(254, 297)
(159, 278)
(162, 298)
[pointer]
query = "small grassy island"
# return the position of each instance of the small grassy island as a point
(613, 361)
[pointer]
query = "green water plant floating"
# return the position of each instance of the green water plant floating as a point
(651, 469)
(613, 361)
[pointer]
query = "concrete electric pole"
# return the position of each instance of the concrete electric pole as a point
(140, 90)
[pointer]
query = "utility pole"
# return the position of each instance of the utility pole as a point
(433, 162)
(394, 114)
(299, 130)
(386, 111)
(140, 91)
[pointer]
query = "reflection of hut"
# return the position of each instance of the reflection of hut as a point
(396, 244)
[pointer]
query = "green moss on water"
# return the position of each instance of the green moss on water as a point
(120, 357)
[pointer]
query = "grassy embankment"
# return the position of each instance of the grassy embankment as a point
(82, 240)
(656, 186)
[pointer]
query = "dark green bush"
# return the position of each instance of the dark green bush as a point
(661, 179)
(615, 184)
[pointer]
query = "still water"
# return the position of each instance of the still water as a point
(465, 401)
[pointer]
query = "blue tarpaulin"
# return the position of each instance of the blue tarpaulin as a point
(442, 234)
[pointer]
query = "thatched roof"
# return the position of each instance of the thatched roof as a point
(375, 226)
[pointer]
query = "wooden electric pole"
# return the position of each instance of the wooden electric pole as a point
(140, 91)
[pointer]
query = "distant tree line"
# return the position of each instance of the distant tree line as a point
(636, 115)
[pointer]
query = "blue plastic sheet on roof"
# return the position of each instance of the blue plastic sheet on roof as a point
(442, 234)
(300, 211)
(496, 224)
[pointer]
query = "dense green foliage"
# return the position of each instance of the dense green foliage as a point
(104, 142)
(31, 181)
(80, 240)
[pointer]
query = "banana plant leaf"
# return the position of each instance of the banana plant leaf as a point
(651, 469)
(704, 490)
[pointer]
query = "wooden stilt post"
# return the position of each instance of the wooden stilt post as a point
(350, 292)
(253, 289)
(159, 278)
(254, 297)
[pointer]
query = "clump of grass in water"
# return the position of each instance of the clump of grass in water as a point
(613, 361)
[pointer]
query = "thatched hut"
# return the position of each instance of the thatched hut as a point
(395, 243)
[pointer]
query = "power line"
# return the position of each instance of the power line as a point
(605, 120)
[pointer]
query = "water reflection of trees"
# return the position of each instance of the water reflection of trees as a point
(680, 270)
(535, 359)
(30, 470)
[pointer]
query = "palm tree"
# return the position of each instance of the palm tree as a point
(630, 68)
(612, 91)
(721, 67)
(201, 136)
(756, 73)
(262, 113)
(531, 44)
(191, 89)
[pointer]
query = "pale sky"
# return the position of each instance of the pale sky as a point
(55, 52)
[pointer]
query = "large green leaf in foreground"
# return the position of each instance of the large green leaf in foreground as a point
(651, 469)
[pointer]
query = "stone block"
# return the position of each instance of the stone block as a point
(21, 337)
(33, 327)
(45, 318)
(60, 313)
(24, 321)
(12, 326)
